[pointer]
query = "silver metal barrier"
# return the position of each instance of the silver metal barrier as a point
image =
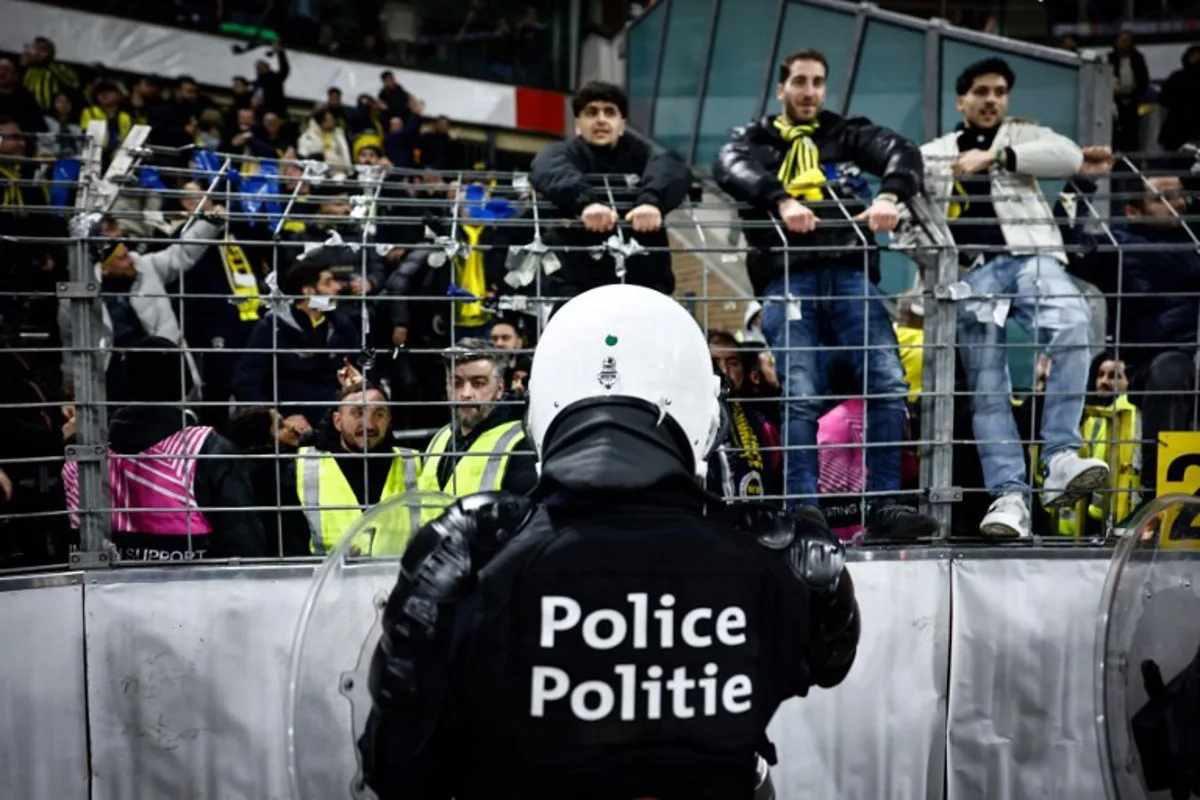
(974, 678)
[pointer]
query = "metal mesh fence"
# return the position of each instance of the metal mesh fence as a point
(211, 356)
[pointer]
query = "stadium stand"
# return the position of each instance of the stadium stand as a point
(226, 270)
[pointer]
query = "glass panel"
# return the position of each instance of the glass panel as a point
(1046, 92)
(640, 54)
(891, 97)
(740, 52)
(682, 69)
(811, 27)
(884, 94)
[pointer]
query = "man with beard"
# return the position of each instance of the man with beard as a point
(479, 451)
(821, 281)
(986, 174)
(1152, 288)
(351, 467)
(1110, 434)
(745, 462)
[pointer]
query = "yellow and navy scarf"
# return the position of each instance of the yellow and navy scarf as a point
(242, 281)
(14, 199)
(800, 173)
(960, 201)
(746, 437)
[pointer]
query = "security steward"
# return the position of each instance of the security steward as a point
(482, 450)
(621, 633)
(355, 467)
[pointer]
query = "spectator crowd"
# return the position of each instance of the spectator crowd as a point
(296, 322)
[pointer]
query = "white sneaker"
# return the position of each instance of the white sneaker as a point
(1071, 478)
(1007, 516)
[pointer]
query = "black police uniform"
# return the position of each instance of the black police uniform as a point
(622, 638)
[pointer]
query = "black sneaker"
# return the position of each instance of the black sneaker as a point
(891, 519)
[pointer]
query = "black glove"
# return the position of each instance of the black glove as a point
(1166, 730)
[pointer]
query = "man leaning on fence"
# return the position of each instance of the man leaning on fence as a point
(646, 183)
(775, 166)
(984, 176)
(481, 451)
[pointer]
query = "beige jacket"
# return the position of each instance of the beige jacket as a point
(1024, 215)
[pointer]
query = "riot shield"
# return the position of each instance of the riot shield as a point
(1150, 626)
(328, 702)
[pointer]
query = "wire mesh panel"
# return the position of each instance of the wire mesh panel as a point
(230, 357)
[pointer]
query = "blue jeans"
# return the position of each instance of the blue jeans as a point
(834, 306)
(1047, 304)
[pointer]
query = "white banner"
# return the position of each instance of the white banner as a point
(882, 732)
(43, 716)
(186, 678)
(129, 45)
(1022, 716)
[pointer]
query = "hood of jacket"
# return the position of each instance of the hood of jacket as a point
(611, 446)
(133, 429)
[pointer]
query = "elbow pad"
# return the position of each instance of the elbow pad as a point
(437, 570)
(817, 559)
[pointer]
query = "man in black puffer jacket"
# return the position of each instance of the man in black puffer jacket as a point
(647, 183)
(777, 167)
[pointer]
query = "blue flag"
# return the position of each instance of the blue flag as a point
(66, 171)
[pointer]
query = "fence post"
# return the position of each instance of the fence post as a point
(937, 390)
(82, 294)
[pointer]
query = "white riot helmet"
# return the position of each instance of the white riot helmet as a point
(627, 341)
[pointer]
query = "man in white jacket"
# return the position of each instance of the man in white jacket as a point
(984, 178)
(133, 282)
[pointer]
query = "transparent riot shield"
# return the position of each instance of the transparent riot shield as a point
(336, 635)
(1150, 612)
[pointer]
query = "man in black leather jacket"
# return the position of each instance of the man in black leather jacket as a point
(819, 294)
(620, 633)
(646, 183)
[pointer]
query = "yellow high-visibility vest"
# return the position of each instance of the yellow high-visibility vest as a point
(123, 120)
(480, 469)
(331, 507)
(1103, 425)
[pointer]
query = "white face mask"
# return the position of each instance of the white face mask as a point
(322, 302)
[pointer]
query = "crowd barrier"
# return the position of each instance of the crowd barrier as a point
(708, 258)
(974, 679)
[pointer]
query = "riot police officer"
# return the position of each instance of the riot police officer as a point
(619, 634)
